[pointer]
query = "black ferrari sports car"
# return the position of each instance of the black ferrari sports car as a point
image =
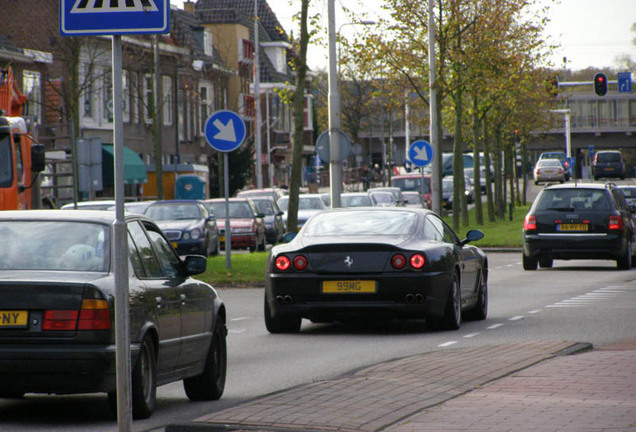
(395, 263)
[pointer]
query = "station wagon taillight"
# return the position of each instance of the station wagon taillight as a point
(94, 315)
(615, 222)
(530, 223)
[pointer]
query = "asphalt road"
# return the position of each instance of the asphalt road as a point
(581, 301)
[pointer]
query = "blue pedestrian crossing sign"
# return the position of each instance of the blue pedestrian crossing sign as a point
(421, 153)
(113, 17)
(225, 131)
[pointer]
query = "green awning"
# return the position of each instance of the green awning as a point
(134, 167)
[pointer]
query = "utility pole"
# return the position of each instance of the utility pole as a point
(435, 171)
(335, 165)
(257, 101)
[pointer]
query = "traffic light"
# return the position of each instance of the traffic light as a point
(600, 84)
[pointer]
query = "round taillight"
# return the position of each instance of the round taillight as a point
(398, 261)
(282, 263)
(300, 262)
(417, 261)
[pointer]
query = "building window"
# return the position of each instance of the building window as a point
(207, 42)
(107, 98)
(125, 92)
(32, 87)
(206, 95)
(181, 107)
(88, 110)
(167, 106)
(308, 120)
(148, 99)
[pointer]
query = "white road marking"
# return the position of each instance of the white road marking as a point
(494, 326)
(240, 319)
(516, 318)
(445, 344)
(236, 331)
(534, 311)
(471, 335)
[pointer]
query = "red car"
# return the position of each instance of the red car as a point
(247, 224)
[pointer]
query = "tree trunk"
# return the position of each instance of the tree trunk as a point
(297, 113)
(479, 211)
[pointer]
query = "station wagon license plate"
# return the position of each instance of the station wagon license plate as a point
(13, 319)
(348, 286)
(572, 227)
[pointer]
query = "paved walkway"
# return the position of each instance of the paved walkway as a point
(518, 387)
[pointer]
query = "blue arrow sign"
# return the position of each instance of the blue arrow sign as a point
(225, 131)
(113, 17)
(421, 153)
(624, 82)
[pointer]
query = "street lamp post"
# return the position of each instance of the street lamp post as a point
(335, 165)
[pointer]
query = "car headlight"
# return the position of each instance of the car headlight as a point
(195, 234)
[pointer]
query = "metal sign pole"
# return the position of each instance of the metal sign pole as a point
(122, 314)
(228, 231)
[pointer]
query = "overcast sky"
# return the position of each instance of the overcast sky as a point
(591, 32)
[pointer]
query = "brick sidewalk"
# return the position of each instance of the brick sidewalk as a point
(395, 396)
(595, 391)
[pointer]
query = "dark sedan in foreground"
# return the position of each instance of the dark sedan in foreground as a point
(396, 263)
(57, 329)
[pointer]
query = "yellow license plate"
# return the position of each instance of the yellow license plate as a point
(13, 318)
(222, 238)
(348, 286)
(572, 227)
(174, 244)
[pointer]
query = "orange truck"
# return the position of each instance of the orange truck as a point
(21, 158)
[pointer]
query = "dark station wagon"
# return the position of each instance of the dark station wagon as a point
(579, 221)
(57, 330)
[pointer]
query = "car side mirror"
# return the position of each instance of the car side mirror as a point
(471, 236)
(289, 236)
(195, 264)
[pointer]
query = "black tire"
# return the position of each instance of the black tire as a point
(546, 262)
(530, 263)
(144, 381)
(452, 312)
(625, 262)
(211, 383)
(480, 311)
(280, 325)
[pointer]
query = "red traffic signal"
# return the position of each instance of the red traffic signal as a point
(600, 84)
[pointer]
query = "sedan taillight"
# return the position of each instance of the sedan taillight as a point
(530, 223)
(94, 315)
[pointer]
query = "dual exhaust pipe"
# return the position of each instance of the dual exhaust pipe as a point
(414, 298)
(284, 299)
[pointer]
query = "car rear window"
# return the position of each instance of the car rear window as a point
(361, 223)
(573, 199)
(53, 245)
(608, 157)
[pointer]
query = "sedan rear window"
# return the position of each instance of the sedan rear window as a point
(54, 245)
(373, 223)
